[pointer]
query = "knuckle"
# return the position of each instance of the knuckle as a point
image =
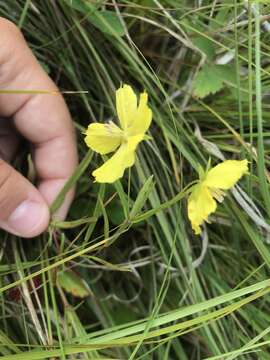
(7, 190)
(5, 173)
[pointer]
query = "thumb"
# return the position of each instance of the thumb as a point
(23, 211)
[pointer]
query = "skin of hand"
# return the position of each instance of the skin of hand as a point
(44, 121)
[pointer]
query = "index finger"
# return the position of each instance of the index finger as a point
(43, 119)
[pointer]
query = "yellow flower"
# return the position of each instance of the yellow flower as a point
(105, 138)
(201, 202)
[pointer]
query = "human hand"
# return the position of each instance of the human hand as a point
(42, 119)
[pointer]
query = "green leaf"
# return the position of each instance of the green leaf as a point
(205, 45)
(207, 82)
(72, 283)
(74, 223)
(226, 73)
(142, 196)
(212, 78)
(105, 20)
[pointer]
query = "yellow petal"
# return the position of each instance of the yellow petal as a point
(103, 138)
(133, 142)
(200, 205)
(126, 105)
(142, 118)
(114, 168)
(226, 174)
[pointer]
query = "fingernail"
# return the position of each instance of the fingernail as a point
(29, 219)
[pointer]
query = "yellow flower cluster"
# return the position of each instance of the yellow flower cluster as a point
(135, 120)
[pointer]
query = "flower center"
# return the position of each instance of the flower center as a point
(116, 131)
(217, 194)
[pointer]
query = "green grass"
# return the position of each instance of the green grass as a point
(158, 291)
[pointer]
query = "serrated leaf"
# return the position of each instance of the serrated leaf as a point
(211, 79)
(72, 283)
(207, 82)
